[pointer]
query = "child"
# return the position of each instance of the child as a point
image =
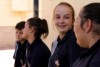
(20, 48)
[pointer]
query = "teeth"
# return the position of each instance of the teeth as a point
(62, 26)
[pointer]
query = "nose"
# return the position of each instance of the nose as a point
(61, 20)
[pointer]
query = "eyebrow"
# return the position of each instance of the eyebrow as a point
(65, 14)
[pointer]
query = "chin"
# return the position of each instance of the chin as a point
(63, 31)
(24, 36)
(81, 44)
(19, 40)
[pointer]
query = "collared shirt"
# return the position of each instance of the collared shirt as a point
(37, 54)
(66, 52)
(89, 58)
(19, 54)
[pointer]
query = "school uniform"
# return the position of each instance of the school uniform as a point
(37, 54)
(65, 52)
(90, 58)
(19, 54)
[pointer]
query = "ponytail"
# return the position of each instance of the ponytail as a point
(44, 28)
(41, 26)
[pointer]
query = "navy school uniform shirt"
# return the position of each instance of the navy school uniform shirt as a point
(66, 52)
(19, 54)
(89, 58)
(37, 54)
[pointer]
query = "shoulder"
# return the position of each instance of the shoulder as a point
(54, 43)
(72, 39)
(53, 46)
(41, 47)
(72, 36)
(95, 61)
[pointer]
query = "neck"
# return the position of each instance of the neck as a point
(31, 39)
(22, 41)
(61, 35)
(93, 40)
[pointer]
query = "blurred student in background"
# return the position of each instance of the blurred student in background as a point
(37, 53)
(20, 46)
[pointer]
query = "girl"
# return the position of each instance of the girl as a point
(87, 31)
(65, 49)
(37, 53)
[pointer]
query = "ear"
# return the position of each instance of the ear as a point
(32, 29)
(88, 25)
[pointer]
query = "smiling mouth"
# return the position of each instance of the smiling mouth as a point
(61, 26)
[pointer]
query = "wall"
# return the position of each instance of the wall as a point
(9, 18)
(46, 11)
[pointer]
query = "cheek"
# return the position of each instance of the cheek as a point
(75, 28)
(24, 32)
(77, 31)
(55, 24)
(78, 34)
(70, 24)
(17, 35)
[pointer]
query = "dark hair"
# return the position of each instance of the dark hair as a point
(67, 4)
(41, 26)
(20, 25)
(92, 12)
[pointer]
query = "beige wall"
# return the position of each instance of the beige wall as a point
(7, 37)
(9, 17)
(46, 11)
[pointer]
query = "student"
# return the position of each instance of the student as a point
(20, 49)
(65, 49)
(37, 54)
(87, 31)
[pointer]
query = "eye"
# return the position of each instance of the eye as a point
(16, 31)
(66, 17)
(57, 17)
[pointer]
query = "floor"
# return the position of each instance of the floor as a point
(6, 58)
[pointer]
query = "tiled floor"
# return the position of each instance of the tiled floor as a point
(6, 58)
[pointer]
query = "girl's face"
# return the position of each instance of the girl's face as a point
(63, 19)
(81, 32)
(26, 31)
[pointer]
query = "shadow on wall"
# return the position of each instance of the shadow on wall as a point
(7, 37)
